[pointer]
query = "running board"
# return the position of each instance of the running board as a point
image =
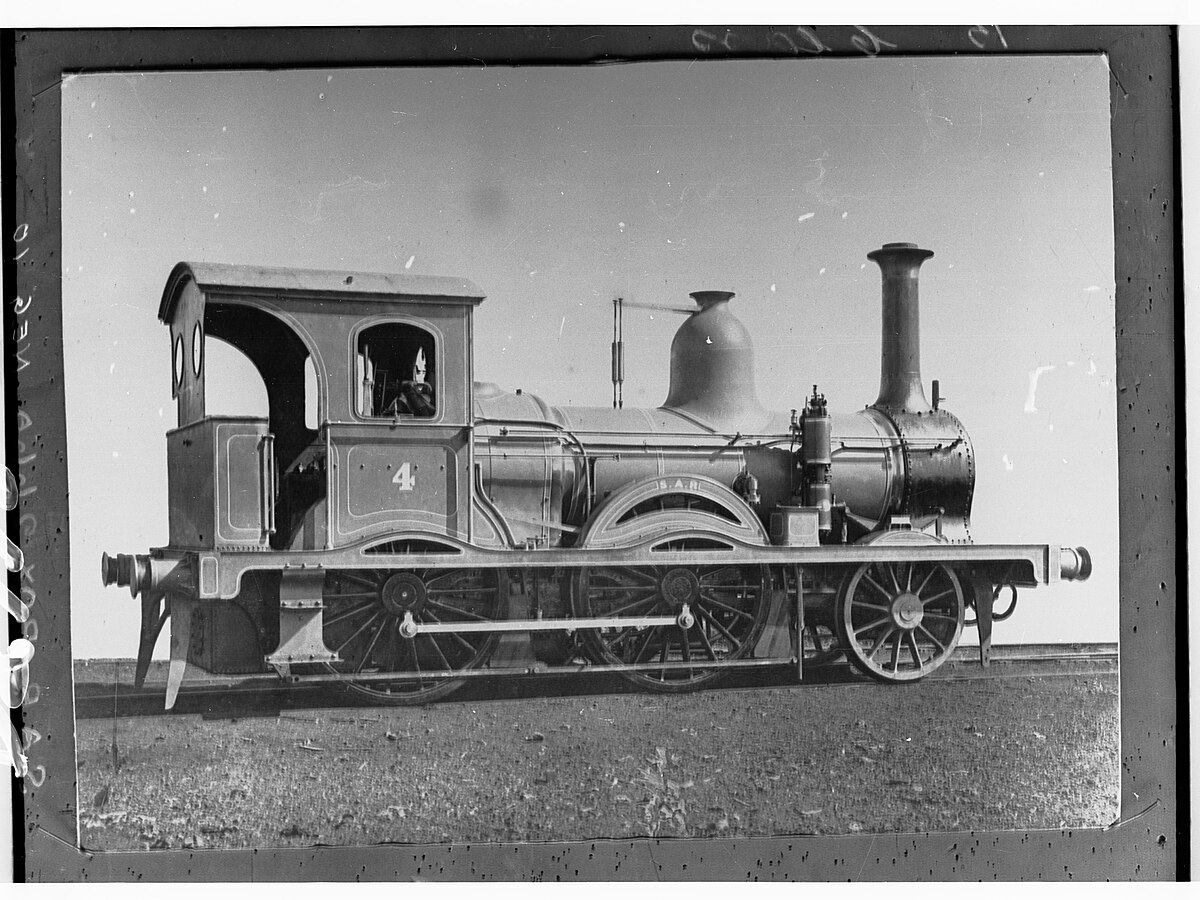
(581, 669)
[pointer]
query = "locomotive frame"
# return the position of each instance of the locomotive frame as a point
(314, 549)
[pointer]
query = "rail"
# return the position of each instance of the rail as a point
(267, 692)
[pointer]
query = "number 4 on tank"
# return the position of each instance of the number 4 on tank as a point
(404, 477)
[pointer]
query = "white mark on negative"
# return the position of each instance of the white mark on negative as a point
(806, 217)
(1030, 405)
(1008, 463)
(412, 259)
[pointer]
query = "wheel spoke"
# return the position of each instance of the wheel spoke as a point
(651, 598)
(717, 625)
(438, 649)
(708, 647)
(896, 653)
(942, 616)
(708, 598)
(864, 603)
(882, 642)
(445, 607)
(932, 571)
(364, 580)
(890, 568)
(869, 626)
(460, 581)
(621, 635)
(354, 595)
(471, 648)
(371, 646)
(873, 583)
(412, 650)
(949, 592)
(714, 578)
(348, 614)
(646, 638)
(361, 628)
(916, 652)
(933, 638)
(622, 588)
(646, 578)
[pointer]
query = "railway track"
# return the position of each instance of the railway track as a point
(265, 695)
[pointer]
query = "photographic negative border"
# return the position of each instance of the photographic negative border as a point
(1150, 841)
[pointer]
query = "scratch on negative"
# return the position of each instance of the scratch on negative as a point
(866, 856)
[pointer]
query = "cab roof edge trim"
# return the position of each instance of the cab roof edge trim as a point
(377, 286)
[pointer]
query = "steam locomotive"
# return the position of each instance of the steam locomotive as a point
(422, 529)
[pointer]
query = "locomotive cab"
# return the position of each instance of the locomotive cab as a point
(388, 359)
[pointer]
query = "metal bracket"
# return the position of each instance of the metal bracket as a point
(301, 613)
(985, 597)
(181, 638)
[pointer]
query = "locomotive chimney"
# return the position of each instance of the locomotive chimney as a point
(900, 367)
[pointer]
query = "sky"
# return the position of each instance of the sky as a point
(556, 189)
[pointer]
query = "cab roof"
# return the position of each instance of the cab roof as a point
(221, 278)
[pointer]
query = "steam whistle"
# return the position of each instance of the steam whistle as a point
(817, 460)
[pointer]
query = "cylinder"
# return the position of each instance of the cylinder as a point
(819, 494)
(900, 363)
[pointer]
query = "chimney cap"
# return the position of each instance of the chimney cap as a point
(899, 247)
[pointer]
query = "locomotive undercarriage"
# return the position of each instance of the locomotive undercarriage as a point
(671, 615)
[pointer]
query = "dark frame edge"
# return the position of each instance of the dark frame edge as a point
(1145, 134)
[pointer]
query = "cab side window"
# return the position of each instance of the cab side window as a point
(396, 369)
